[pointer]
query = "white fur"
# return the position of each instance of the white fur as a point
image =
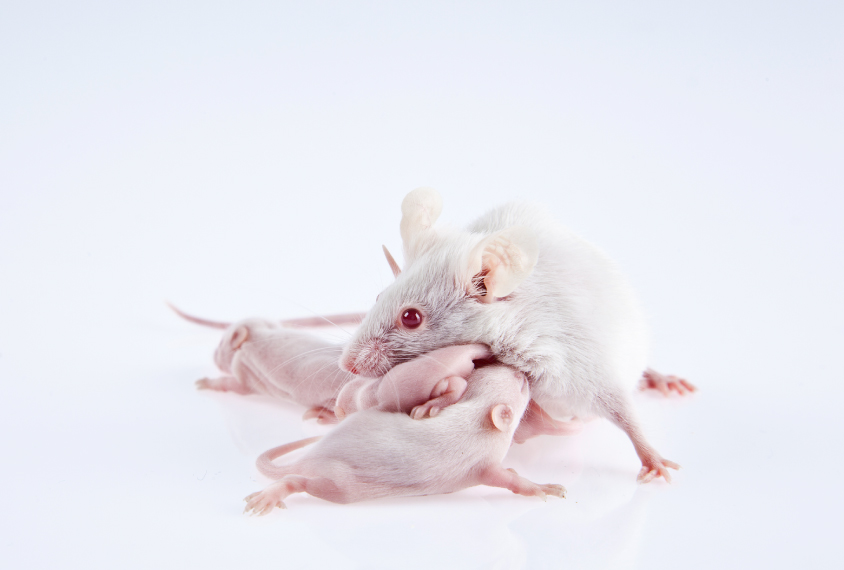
(572, 324)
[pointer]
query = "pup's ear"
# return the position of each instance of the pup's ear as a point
(501, 262)
(419, 210)
(239, 336)
(502, 416)
(393, 265)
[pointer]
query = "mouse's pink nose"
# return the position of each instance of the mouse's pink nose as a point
(348, 366)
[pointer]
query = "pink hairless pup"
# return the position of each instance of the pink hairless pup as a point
(373, 453)
(260, 356)
(425, 385)
(421, 387)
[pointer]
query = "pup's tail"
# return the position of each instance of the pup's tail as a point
(197, 320)
(265, 463)
(352, 319)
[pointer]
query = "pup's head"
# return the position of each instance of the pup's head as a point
(503, 393)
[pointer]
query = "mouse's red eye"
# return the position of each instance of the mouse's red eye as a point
(411, 318)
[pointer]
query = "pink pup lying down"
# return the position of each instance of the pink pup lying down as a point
(374, 453)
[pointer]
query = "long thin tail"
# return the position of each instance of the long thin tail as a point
(265, 464)
(197, 320)
(306, 322)
(327, 320)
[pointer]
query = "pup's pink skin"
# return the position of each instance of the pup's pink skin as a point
(374, 454)
(652, 379)
(263, 357)
(536, 421)
(421, 387)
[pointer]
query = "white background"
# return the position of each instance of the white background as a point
(250, 158)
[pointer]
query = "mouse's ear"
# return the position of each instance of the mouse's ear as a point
(419, 210)
(393, 265)
(239, 336)
(502, 416)
(501, 262)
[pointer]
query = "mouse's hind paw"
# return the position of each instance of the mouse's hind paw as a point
(665, 383)
(263, 502)
(655, 468)
(554, 490)
(223, 384)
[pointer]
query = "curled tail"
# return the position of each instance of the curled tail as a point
(265, 464)
(197, 320)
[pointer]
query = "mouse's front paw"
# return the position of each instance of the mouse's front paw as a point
(263, 502)
(665, 383)
(654, 468)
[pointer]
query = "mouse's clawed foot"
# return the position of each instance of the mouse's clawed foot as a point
(665, 383)
(222, 384)
(509, 479)
(554, 490)
(655, 468)
(263, 502)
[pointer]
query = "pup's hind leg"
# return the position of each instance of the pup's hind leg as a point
(536, 421)
(499, 477)
(224, 384)
(448, 391)
(273, 496)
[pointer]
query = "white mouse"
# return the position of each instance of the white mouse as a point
(374, 453)
(544, 300)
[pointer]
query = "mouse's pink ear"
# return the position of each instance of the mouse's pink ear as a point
(394, 267)
(239, 336)
(419, 210)
(499, 263)
(502, 417)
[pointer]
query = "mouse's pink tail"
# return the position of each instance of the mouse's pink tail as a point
(353, 319)
(265, 464)
(345, 319)
(197, 320)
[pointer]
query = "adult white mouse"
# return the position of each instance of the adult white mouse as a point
(374, 454)
(544, 300)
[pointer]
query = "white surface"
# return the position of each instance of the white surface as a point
(250, 160)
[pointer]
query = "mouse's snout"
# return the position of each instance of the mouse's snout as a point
(367, 359)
